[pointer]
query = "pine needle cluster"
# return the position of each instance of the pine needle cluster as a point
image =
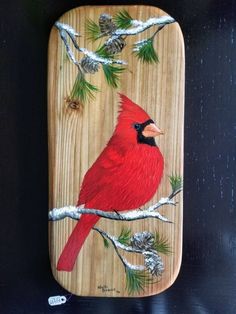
(109, 48)
(136, 280)
(176, 182)
(152, 245)
(145, 51)
(82, 91)
(123, 19)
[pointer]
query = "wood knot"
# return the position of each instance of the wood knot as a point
(74, 104)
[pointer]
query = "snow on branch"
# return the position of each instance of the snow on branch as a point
(149, 245)
(144, 243)
(64, 30)
(140, 26)
(151, 212)
(115, 30)
(117, 245)
(75, 213)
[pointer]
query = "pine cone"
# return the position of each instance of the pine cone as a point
(106, 24)
(142, 240)
(153, 263)
(89, 65)
(115, 45)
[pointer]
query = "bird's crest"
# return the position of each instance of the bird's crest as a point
(130, 110)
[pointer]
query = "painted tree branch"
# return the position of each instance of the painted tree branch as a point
(145, 243)
(141, 243)
(105, 56)
(117, 245)
(140, 26)
(137, 276)
(75, 213)
(65, 30)
(151, 212)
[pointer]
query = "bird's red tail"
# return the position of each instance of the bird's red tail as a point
(75, 242)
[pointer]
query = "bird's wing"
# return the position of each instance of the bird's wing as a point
(122, 182)
(100, 174)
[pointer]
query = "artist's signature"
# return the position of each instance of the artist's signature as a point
(105, 288)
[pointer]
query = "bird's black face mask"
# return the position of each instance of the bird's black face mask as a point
(141, 139)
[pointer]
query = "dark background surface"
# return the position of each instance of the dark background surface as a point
(207, 280)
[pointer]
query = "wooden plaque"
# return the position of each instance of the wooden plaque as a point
(145, 255)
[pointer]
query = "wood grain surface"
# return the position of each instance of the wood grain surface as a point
(76, 138)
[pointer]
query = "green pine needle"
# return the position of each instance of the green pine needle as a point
(145, 51)
(176, 182)
(102, 52)
(92, 30)
(136, 280)
(106, 243)
(66, 58)
(123, 20)
(125, 236)
(112, 73)
(82, 90)
(161, 244)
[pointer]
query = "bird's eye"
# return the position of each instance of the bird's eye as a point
(137, 126)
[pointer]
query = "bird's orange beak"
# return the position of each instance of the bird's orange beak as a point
(151, 130)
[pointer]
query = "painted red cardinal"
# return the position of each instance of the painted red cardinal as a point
(125, 176)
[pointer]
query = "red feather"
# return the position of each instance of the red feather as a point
(125, 176)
